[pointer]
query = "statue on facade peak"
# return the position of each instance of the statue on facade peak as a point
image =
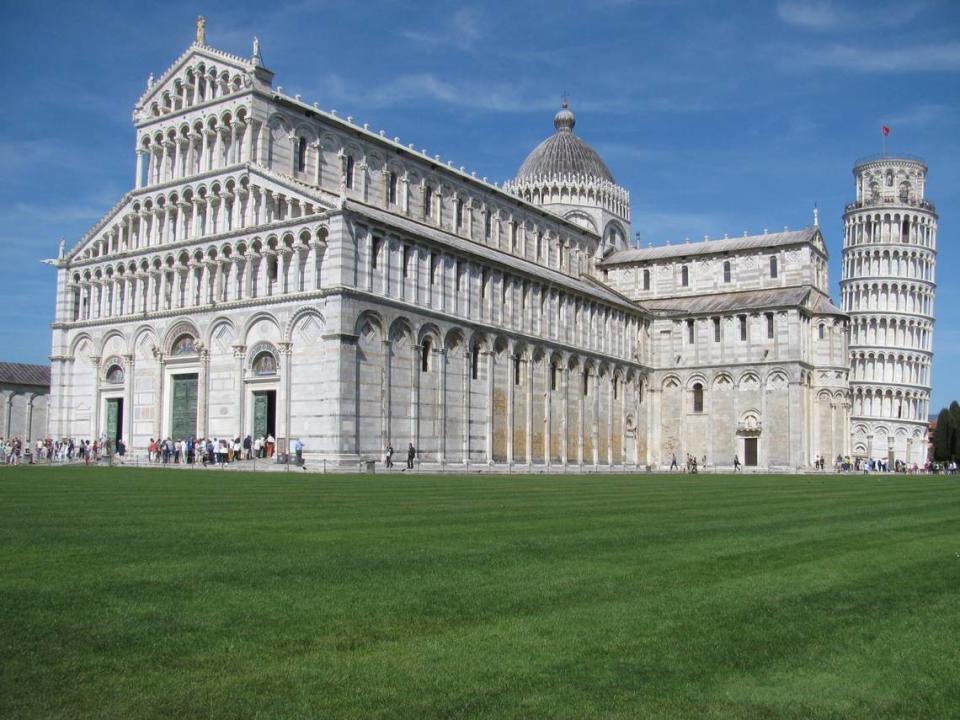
(257, 60)
(201, 30)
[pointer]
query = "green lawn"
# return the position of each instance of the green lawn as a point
(139, 593)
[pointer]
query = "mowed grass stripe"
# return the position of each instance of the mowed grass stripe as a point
(149, 593)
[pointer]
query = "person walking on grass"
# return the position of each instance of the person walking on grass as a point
(736, 464)
(673, 463)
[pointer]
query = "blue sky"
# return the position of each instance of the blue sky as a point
(718, 117)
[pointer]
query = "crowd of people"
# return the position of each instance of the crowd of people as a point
(209, 451)
(222, 451)
(14, 451)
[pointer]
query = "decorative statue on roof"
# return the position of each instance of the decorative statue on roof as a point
(201, 30)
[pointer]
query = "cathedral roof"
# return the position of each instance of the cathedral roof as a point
(710, 247)
(743, 300)
(563, 153)
(24, 374)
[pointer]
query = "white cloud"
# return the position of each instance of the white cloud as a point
(943, 57)
(427, 87)
(828, 15)
(52, 214)
(920, 116)
(461, 30)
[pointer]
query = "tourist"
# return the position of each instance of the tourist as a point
(673, 463)
(388, 456)
(298, 450)
(736, 464)
(258, 448)
(411, 454)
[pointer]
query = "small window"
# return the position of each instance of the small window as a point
(770, 326)
(685, 276)
(513, 235)
(427, 202)
(743, 327)
(302, 154)
(434, 267)
(698, 398)
(272, 267)
(773, 266)
(264, 364)
(484, 276)
(348, 172)
(475, 362)
(392, 188)
(691, 330)
(458, 215)
(487, 225)
(115, 375)
(889, 178)
(821, 331)
(615, 386)
(516, 369)
(586, 383)
(539, 244)
(375, 257)
(646, 279)
(425, 355)
(726, 271)
(553, 377)
(406, 260)
(716, 329)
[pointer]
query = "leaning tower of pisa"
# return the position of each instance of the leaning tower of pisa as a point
(889, 259)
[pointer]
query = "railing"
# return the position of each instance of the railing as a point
(881, 202)
(889, 156)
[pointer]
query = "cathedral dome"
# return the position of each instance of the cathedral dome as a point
(563, 153)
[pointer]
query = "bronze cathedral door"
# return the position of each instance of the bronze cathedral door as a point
(183, 411)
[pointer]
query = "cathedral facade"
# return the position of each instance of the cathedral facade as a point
(277, 269)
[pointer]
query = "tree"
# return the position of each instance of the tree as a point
(943, 436)
(955, 438)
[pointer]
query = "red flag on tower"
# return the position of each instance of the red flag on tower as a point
(885, 129)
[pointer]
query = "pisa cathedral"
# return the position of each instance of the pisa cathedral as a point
(278, 269)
